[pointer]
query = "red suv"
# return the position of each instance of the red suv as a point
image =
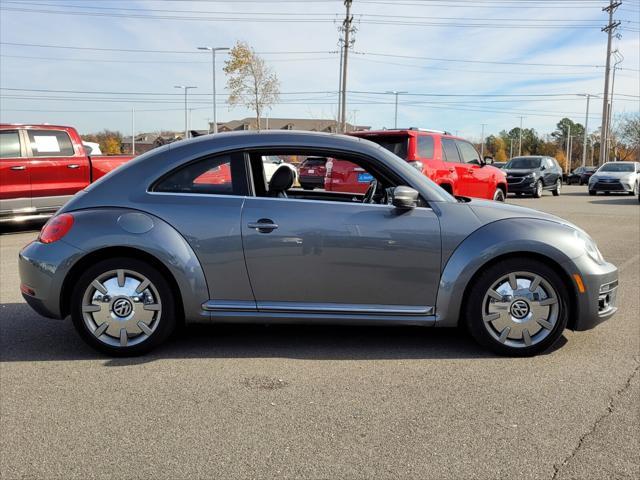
(311, 173)
(451, 162)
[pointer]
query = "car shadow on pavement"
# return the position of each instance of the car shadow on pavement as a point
(616, 200)
(26, 336)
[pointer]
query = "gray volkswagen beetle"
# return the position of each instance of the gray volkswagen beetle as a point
(192, 232)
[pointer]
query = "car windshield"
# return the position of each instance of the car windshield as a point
(397, 144)
(617, 167)
(523, 163)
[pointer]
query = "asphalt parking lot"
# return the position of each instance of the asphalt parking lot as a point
(328, 402)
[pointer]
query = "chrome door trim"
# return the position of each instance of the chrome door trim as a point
(229, 305)
(358, 309)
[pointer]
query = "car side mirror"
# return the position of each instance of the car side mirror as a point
(404, 198)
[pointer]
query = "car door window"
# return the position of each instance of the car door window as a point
(425, 146)
(468, 152)
(450, 150)
(50, 143)
(217, 175)
(10, 144)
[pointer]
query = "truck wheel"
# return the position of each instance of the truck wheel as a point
(537, 190)
(123, 307)
(557, 189)
(517, 307)
(498, 196)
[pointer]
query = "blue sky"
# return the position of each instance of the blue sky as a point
(135, 25)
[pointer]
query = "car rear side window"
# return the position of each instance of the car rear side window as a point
(9, 144)
(219, 175)
(450, 150)
(425, 146)
(50, 143)
(468, 152)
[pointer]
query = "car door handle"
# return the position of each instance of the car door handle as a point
(18, 167)
(263, 225)
(73, 166)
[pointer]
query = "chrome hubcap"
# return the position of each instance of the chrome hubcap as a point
(520, 309)
(121, 308)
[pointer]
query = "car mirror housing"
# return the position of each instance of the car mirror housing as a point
(404, 198)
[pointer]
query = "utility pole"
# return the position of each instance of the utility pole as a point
(482, 142)
(568, 155)
(341, 47)
(609, 29)
(348, 19)
(213, 51)
(133, 130)
(396, 93)
(186, 113)
(619, 59)
(586, 129)
(510, 148)
(520, 142)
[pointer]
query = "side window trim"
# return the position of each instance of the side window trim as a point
(20, 144)
(48, 154)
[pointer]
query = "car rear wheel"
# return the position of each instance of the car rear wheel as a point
(537, 190)
(498, 196)
(123, 307)
(557, 188)
(517, 307)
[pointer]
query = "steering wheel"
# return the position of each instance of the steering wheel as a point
(369, 196)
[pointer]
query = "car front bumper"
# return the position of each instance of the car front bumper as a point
(598, 301)
(520, 185)
(610, 186)
(43, 268)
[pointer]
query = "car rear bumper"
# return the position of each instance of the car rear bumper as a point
(598, 302)
(42, 269)
(314, 180)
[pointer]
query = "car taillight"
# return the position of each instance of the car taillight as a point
(56, 228)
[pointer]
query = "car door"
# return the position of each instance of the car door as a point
(15, 185)
(455, 170)
(319, 256)
(57, 170)
(477, 178)
(549, 174)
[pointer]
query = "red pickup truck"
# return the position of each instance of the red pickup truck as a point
(42, 166)
(451, 162)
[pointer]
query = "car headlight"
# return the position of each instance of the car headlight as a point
(589, 246)
(530, 175)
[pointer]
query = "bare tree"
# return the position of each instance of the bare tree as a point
(250, 81)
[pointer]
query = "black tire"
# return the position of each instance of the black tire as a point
(538, 189)
(556, 191)
(634, 192)
(167, 321)
(473, 307)
(592, 192)
(499, 195)
(306, 187)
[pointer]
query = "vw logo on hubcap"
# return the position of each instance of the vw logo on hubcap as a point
(519, 309)
(122, 307)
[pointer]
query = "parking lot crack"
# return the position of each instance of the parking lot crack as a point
(611, 406)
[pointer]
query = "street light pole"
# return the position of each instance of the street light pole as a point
(213, 51)
(186, 113)
(396, 93)
(586, 130)
(520, 141)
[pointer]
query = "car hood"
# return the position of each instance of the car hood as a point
(612, 174)
(488, 211)
(519, 171)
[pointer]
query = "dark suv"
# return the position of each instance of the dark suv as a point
(533, 174)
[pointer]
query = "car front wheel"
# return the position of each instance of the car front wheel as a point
(123, 307)
(498, 196)
(557, 188)
(517, 307)
(537, 190)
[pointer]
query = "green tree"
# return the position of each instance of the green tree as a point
(250, 81)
